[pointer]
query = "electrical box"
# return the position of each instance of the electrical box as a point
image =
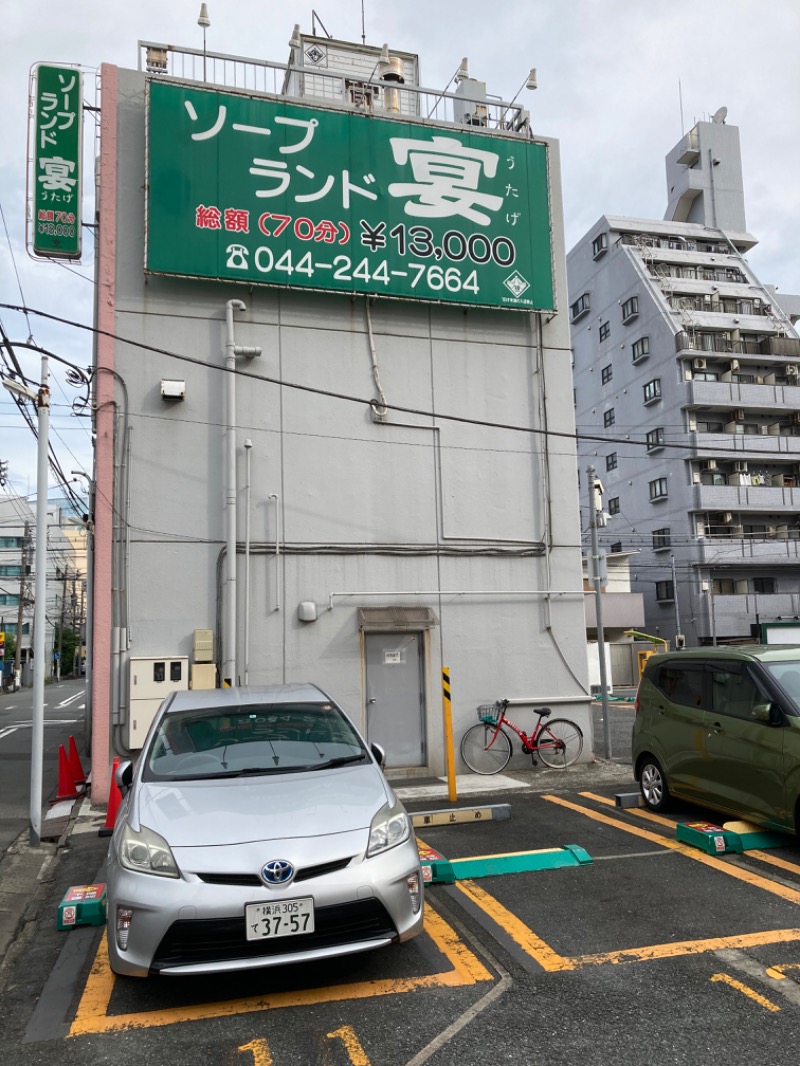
(204, 676)
(152, 679)
(204, 645)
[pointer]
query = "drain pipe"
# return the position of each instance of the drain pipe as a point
(229, 678)
(248, 446)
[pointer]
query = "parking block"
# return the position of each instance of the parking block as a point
(82, 905)
(732, 837)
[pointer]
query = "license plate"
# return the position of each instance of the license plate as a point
(289, 917)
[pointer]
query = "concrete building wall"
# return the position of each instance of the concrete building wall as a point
(477, 522)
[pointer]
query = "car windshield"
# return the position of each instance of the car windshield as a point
(253, 740)
(787, 675)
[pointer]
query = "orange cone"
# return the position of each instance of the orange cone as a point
(66, 783)
(78, 776)
(114, 800)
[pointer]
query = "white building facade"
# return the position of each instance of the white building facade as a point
(298, 476)
(687, 400)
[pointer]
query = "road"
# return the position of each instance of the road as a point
(64, 706)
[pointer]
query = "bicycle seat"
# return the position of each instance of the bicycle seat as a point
(543, 712)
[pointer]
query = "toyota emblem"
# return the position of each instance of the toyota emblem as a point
(277, 872)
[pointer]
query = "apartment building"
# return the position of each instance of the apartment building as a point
(687, 398)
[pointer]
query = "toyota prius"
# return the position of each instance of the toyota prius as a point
(256, 829)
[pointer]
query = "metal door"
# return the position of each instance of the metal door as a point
(395, 696)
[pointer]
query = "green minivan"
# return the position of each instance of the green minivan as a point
(721, 727)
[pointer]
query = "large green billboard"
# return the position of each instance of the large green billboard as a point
(260, 190)
(56, 177)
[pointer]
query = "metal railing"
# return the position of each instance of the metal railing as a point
(372, 95)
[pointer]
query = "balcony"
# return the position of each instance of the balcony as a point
(749, 498)
(734, 614)
(744, 551)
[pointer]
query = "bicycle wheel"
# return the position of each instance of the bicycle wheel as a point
(484, 751)
(559, 743)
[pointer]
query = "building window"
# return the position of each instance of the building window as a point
(723, 586)
(613, 505)
(661, 539)
(605, 331)
(652, 391)
(579, 308)
(658, 489)
(611, 461)
(655, 439)
(609, 418)
(710, 427)
(10, 542)
(599, 245)
(641, 349)
(616, 547)
(665, 590)
(606, 374)
(765, 586)
(10, 571)
(630, 309)
(7, 600)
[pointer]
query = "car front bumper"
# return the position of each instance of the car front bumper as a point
(196, 923)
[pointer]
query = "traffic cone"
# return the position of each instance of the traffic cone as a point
(114, 800)
(66, 783)
(78, 776)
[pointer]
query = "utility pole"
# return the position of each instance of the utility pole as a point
(596, 488)
(679, 642)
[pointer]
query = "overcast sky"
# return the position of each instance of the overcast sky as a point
(619, 82)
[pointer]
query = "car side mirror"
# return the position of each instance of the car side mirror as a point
(123, 776)
(768, 713)
(379, 753)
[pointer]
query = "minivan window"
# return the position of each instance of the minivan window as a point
(733, 691)
(788, 677)
(682, 683)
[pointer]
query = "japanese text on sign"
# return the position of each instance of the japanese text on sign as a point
(56, 177)
(261, 190)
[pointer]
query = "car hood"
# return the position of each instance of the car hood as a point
(241, 810)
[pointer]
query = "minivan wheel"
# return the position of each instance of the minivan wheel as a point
(653, 784)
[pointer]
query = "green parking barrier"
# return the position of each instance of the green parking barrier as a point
(732, 837)
(438, 870)
(82, 905)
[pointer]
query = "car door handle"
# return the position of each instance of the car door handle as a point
(373, 700)
(717, 727)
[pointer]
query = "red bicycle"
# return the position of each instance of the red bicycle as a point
(486, 747)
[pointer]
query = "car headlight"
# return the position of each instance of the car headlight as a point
(146, 852)
(390, 827)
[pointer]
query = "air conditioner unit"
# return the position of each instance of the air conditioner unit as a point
(738, 415)
(764, 430)
(734, 367)
(791, 370)
(740, 466)
(725, 518)
(709, 464)
(698, 364)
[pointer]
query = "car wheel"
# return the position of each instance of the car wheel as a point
(653, 784)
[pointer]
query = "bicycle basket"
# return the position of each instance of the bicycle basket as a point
(490, 712)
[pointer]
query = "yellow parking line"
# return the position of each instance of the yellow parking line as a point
(762, 856)
(92, 1014)
(749, 992)
(737, 872)
(530, 943)
(685, 947)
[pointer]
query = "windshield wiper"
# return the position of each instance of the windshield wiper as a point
(343, 760)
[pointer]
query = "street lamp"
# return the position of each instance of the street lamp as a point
(204, 21)
(41, 398)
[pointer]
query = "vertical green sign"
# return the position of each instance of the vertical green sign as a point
(56, 178)
(271, 192)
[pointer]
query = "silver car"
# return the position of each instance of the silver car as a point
(256, 829)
